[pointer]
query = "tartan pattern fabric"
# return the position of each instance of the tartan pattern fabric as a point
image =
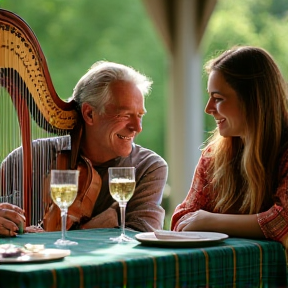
(97, 262)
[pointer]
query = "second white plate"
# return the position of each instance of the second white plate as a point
(201, 239)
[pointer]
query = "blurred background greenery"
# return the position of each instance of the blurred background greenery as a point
(247, 22)
(74, 34)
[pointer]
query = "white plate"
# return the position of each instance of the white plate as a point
(194, 239)
(44, 255)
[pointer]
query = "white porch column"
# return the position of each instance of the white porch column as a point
(186, 114)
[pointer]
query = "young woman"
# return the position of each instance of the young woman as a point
(240, 185)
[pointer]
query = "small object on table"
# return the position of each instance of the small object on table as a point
(21, 228)
(34, 248)
(166, 234)
(9, 250)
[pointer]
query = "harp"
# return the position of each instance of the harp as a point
(26, 89)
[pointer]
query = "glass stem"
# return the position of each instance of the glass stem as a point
(122, 214)
(63, 224)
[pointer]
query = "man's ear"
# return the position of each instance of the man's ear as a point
(87, 113)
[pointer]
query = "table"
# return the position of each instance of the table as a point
(96, 262)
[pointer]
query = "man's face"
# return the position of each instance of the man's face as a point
(114, 130)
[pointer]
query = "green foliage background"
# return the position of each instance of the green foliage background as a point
(74, 34)
(247, 22)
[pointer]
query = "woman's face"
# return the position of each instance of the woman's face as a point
(224, 106)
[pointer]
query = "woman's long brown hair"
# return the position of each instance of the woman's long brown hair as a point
(244, 171)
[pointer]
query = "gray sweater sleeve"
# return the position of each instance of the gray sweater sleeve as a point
(144, 211)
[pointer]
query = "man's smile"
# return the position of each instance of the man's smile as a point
(124, 137)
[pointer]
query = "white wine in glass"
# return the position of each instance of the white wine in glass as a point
(122, 186)
(63, 189)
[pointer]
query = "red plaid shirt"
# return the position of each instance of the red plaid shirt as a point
(273, 222)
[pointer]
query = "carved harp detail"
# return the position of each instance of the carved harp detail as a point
(24, 75)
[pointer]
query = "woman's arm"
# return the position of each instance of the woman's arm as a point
(235, 225)
(198, 196)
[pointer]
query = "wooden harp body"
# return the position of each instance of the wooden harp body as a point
(26, 87)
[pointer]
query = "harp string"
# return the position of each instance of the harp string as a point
(30, 112)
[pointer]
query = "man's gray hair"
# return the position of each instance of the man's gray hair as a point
(94, 86)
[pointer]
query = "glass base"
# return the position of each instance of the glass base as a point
(62, 242)
(123, 239)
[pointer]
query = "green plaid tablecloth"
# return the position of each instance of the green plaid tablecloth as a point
(96, 262)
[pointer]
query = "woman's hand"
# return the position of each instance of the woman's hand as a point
(12, 220)
(196, 221)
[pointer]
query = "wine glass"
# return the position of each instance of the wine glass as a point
(63, 188)
(122, 186)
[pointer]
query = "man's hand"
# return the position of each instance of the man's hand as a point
(12, 220)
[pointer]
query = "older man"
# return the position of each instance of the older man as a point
(110, 98)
